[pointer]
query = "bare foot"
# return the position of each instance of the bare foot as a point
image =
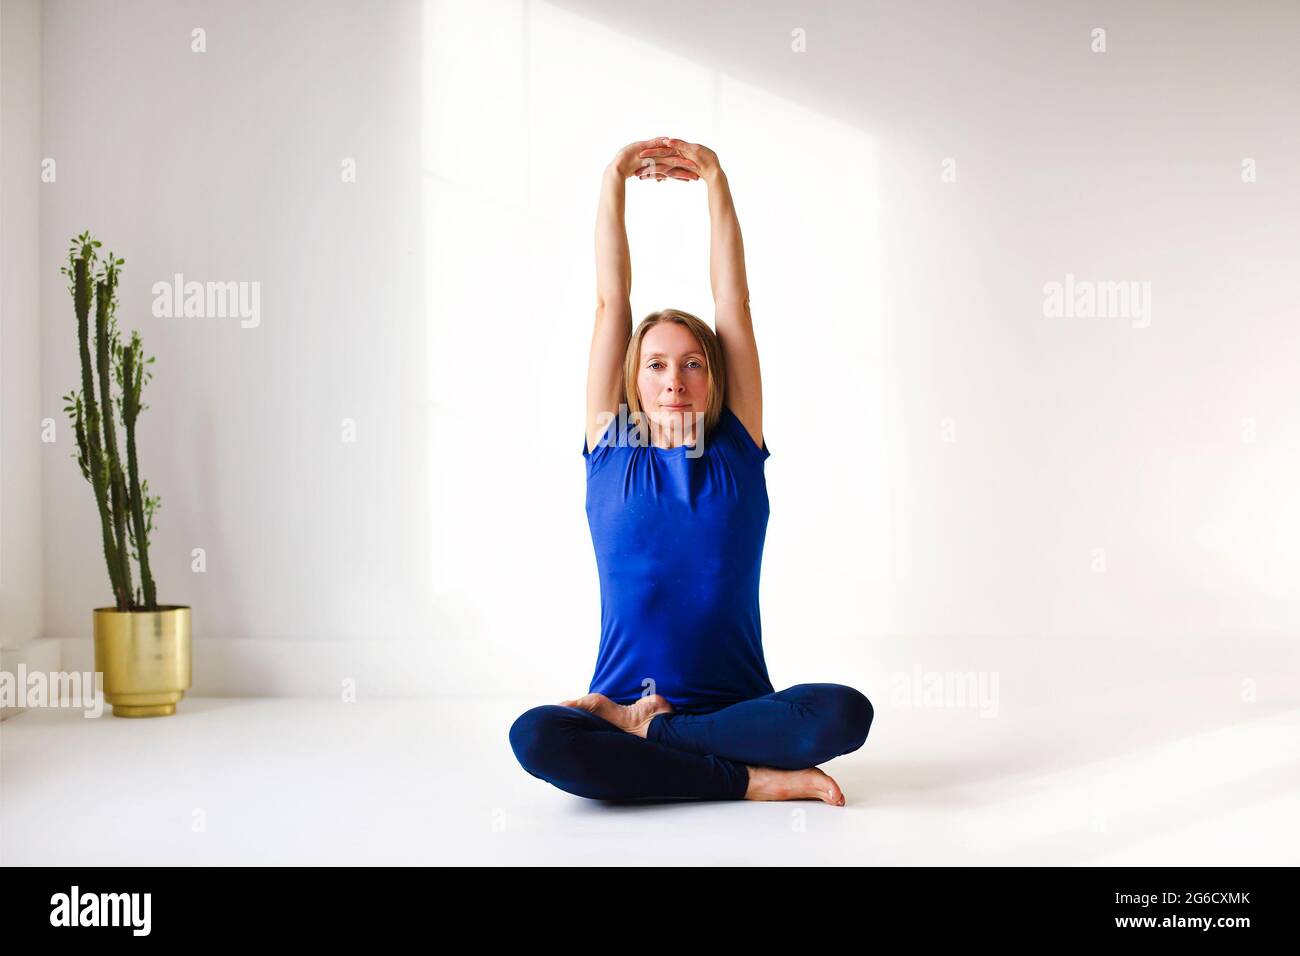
(772, 783)
(633, 718)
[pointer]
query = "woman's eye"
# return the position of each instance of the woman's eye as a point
(694, 363)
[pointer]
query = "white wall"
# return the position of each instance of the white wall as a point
(21, 408)
(1071, 434)
(889, 301)
(226, 165)
(446, 306)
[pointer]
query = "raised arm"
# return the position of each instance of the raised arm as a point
(613, 325)
(732, 320)
(613, 305)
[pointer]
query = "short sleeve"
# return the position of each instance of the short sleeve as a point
(742, 436)
(596, 456)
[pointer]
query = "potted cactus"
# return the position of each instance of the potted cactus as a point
(141, 647)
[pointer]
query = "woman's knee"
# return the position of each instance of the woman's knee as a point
(549, 742)
(847, 716)
(535, 736)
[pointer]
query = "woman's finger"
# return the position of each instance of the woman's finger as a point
(693, 151)
(703, 158)
(668, 162)
(669, 158)
(657, 143)
(684, 175)
(661, 151)
(664, 154)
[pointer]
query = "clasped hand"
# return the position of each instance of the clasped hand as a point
(666, 158)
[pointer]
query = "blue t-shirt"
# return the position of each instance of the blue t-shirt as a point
(679, 545)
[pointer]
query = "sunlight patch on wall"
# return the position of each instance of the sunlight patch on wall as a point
(524, 106)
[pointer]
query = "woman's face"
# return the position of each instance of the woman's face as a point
(673, 378)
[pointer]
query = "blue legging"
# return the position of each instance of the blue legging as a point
(701, 754)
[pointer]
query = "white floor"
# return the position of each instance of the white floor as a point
(1138, 776)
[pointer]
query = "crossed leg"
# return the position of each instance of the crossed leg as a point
(586, 755)
(801, 726)
(691, 755)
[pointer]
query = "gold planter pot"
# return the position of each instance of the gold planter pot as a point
(145, 659)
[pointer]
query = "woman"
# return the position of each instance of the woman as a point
(680, 704)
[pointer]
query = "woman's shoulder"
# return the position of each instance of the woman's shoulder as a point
(606, 434)
(741, 433)
(606, 446)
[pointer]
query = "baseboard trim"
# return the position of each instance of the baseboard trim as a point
(302, 668)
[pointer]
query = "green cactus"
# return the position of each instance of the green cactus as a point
(105, 345)
(132, 376)
(125, 506)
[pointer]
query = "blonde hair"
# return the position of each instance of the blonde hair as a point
(708, 340)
